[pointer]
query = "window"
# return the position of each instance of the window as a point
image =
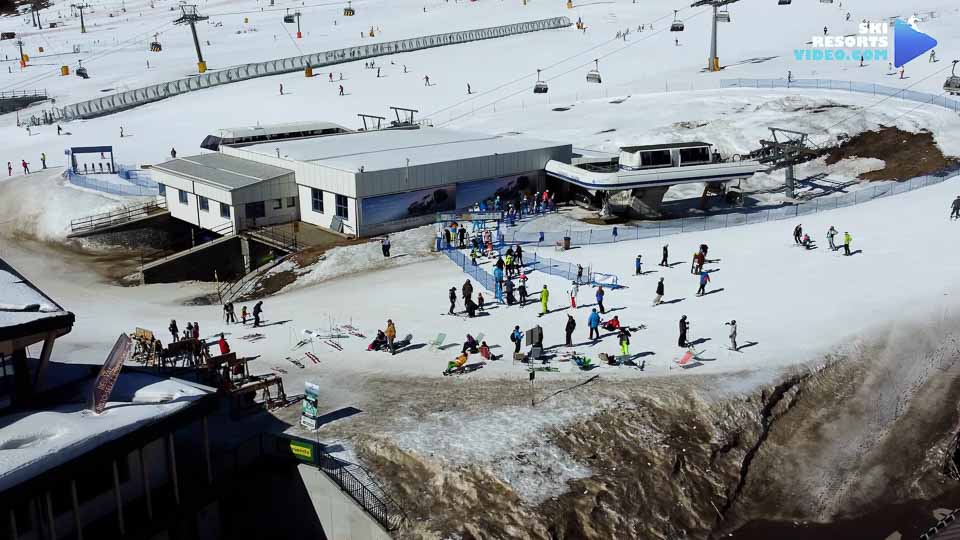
(183, 197)
(162, 189)
(316, 199)
(204, 204)
(657, 158)
(291, 202)
(694, 155)
(341, 201)
(224, 211)
(255, 210)
(278, 204)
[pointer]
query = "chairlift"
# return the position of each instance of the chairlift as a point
(349, 11)
(156, 47)
(541, 86)
(677, 24)
(784, 2)
(723, 15)
(82, 72)
(952, 86)
(826, 1)
(288, 18)
(593, 76)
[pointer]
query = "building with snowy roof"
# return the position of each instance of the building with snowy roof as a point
(360, 183)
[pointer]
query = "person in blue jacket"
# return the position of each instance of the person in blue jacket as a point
(600, 293)
(637, 265)
(704, 279)
(593, 322)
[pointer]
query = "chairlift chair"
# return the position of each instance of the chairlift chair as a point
(155, 46)
(784, 2)
(826, 1)
(288, 18)
(541, 86)
(677, 24)
(723, 15)
(952, 86)
(349, 11)
(593, 76)
(82, 73)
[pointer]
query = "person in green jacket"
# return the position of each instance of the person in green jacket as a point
(847, 239)
(544, 298)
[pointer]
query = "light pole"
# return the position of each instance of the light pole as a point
(713, 62)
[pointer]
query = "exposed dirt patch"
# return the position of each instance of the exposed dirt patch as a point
(907, 155)
(276, 281)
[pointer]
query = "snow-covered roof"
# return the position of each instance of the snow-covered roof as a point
(665, 146)
(276, 129)
(222, 171)
(24, 309)
(35, 441)
(391, 148)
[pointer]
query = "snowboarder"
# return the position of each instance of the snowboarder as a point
(600, 293)
(847, 239)
(797, 234)
(666, 253)
(391, 334)
(385, 246)
(832, 234)
(43, 159)
(623, 336)
(733, 335)
(658, 299)
(174, 331)
(25, 165)
(453, 299)
(516, 337)
(173, 153)
(257, 310)
(467, 289)
(955, 208)
(341, 89)
(593, 323)
(568, 330)
(704, 279)
(637, 266)
(544, 298)
(684, 326)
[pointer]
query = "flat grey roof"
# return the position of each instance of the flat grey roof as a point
(24, 309)
(665, 146)
(222, 171)
(391, 148)
(274, 129)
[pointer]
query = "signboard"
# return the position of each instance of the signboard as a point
(109, 373)
(303, 451)
(410, 204)
(457, 217)
(308, 414)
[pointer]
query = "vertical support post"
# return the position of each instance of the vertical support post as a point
(78, 523)
(13, 525)
(172, 459)
(51, 523)
(145, 478)
(119, 499)
(790, 182)
(713, 64)
(83, 27)
(206, 449)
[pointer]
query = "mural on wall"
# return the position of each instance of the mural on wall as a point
(508, 188)
(408, 205)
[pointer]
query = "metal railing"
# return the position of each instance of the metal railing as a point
(13, 94)
(848, 86)
(275, 237)
(116, 217)
(656, 229)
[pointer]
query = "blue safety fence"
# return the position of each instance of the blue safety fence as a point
(533, 262)
(657, 229)
(125, 188)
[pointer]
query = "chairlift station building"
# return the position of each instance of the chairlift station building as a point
(361, 183)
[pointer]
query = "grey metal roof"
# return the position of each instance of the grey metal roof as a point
(666, 146)
(222, 171)
(275, 129)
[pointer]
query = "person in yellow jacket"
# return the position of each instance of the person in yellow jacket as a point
(391, 336)
(544, 298)
(508, 262)
(847, 239)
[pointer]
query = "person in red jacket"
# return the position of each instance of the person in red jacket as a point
(224, 347)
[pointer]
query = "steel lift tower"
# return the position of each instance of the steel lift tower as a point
(191, 17)
(713, 63)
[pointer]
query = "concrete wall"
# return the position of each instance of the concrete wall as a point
(341, 517)
(225, 257)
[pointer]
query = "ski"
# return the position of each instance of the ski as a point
(548, 369)
(313, 358)
(334, 344)
(279, 369)
(297, 363)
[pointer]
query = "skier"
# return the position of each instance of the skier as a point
(832, 234)
(341, 89)
(568, 329)
(624, 337)
(25, 165)
(574, 290)
(508, 286)
(385, 246)
(693, 263)
(480, 301)
(733, 335)
(59, 130)
(612, 325)
(518, 256)
(955, 208)
(806, 242)
(462, 237)
(173, 153)
(231, 314)
(467, 289)
(453, 299)
(666, 253)
(861, 60)
(121, 132)
(789, 77)
(593, 323)
(933, 56)
(224, 346)
(600, 293)
(824, 30)
(544, 298)
(658, 299)
(9, 169)
(469, 90)
(522, 290)
(704, 279)
(243, 314)
(637, 266)
(498, 283)
(797, 234)
(331, 76)
(684, 326)
(378, 73)
(516, 337)
(391, 334)
(257, 310)
(43, 159)
(174, 331)
(847, 239)
(579, 274)
(902, 71)
(426, 80)
(281, 89)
